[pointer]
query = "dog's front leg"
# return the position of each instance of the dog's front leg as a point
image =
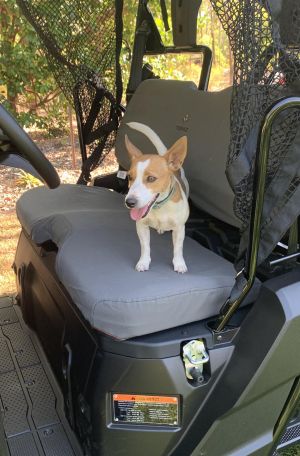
(143, 232)
(178, 238)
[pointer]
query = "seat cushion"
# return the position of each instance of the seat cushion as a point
(97, 252)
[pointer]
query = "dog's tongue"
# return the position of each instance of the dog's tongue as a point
(137, 214)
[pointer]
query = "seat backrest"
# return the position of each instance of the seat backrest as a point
(176, 108)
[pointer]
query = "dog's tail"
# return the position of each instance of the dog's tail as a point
(154, 138)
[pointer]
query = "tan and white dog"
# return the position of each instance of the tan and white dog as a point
(156, 197)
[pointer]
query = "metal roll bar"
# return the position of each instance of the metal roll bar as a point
(262, 155)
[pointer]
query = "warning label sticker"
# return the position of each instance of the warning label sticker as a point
(145, 409)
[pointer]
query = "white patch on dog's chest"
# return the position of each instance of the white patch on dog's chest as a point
(167, 217)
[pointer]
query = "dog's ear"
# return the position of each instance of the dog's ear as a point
(133, 151)
(176, 154)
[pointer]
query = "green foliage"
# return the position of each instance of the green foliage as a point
(290, 451)
(184, 66)
(26, 180)
(32, 93)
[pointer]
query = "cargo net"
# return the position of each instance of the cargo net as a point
(82, 41)
(265, 42)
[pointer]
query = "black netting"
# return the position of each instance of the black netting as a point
(82, 40)
(265, 41)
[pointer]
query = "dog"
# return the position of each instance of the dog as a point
(157, 197)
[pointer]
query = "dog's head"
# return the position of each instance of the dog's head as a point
(150, 175)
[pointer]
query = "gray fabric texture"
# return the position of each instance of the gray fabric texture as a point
(97, 251)
(176, 108)
(44, 214)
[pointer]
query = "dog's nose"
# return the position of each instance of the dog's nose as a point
(130, 202)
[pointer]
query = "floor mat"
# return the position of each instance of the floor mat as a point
(30, 401)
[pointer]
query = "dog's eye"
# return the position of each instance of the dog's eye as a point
(151, 179)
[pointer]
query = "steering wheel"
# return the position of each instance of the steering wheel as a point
(28, 149)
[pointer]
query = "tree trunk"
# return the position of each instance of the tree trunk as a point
(212, 33)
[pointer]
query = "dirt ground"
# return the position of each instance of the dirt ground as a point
(58, 151)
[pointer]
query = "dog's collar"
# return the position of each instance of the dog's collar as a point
(160, 203)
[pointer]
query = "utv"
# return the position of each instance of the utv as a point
(98, 359)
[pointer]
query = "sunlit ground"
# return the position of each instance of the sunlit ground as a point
(9, 233)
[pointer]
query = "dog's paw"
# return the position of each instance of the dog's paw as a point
(142, 266)
(180, 266)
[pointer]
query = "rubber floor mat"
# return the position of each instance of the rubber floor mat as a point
(31, 404)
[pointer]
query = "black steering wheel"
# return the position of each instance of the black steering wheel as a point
(28, 149)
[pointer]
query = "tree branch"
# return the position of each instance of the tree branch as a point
(43, 101)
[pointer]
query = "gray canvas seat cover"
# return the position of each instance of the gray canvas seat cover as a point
(176, 108)
(97, 251)
(97, 242)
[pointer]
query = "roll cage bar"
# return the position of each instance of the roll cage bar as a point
(248, 273)
(148, 41)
